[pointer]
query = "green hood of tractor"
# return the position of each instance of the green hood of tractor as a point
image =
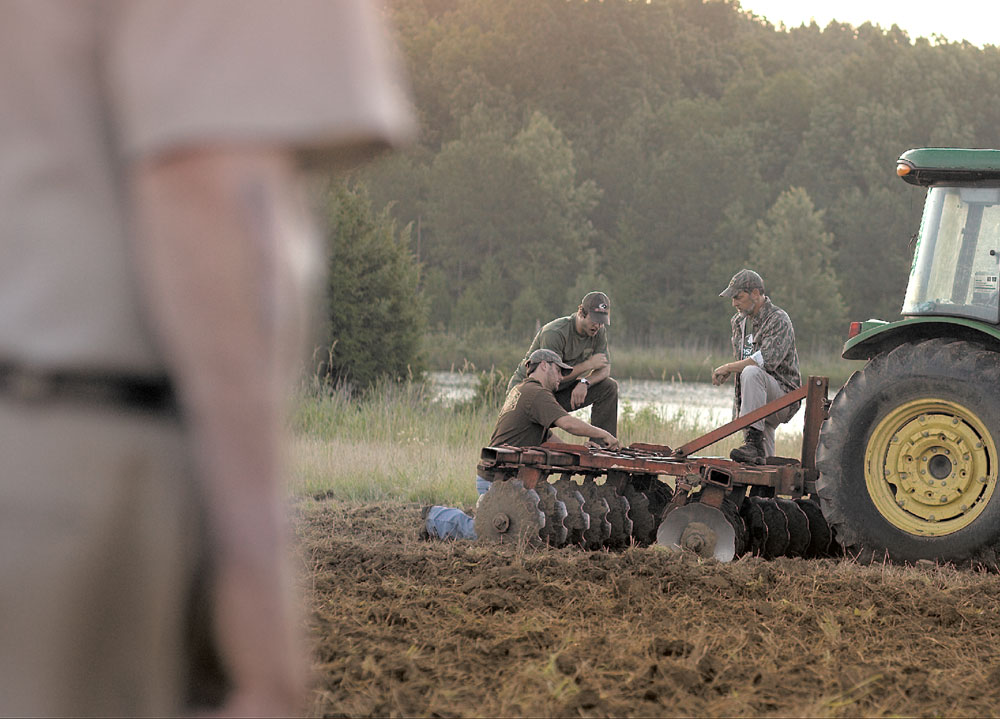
(930, 165)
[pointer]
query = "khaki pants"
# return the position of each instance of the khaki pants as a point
(99, 544)
(757, 388)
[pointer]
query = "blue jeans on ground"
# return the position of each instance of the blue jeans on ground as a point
(451, 523)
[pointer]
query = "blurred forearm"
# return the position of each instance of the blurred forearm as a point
(212, 228)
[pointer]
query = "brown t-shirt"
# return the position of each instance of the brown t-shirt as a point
(526, 416)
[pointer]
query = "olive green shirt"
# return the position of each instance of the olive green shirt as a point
(527, 414)
(561, 337)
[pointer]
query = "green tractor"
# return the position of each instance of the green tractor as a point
(908, 457)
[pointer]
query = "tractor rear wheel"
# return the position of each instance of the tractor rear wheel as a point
(908, 457)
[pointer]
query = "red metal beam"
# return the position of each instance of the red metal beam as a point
(741, 422)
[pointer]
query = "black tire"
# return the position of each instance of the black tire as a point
(896, 481)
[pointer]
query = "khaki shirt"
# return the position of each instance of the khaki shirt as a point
(527, 414)
(90, 86)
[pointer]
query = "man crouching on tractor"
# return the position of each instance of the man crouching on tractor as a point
(766, 364)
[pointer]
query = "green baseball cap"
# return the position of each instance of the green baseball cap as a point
(598, 305)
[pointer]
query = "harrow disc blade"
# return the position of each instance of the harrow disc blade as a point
(798, 527)
(777, 528)
(509, 513)
(621, 524)
(554, 532)
(597, 507)
(576, 521)
(659, 496)
(643, 524)
(819, 531)
(753, 517)
(732, 513)
(699, 528)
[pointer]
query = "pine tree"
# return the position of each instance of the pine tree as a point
(795, 255)
(375, 316)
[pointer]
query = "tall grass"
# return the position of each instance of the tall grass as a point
(397, 443)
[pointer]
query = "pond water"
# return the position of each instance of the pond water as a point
(695, 402)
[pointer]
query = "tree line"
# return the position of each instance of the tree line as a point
(652, 148)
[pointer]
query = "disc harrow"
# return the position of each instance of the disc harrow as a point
(573, 495)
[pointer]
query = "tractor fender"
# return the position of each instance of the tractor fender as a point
(877, 337)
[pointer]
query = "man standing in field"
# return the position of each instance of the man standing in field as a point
(581, 341)
(156, 272)
(528, 413)
(766, 363)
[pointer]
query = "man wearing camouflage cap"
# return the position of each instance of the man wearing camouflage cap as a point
(581, 341)
(766, 363)
(528, 413)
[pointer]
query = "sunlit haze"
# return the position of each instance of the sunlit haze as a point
(977, 21)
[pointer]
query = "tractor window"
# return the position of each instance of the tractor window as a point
(956, 266)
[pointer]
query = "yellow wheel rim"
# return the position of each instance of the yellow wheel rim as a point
(931, 467)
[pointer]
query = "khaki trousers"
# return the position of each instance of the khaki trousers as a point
(757, 388)
(99, 545)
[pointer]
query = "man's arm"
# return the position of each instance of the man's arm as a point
(578, 427)
(590, 368)
(721, 373)
(214, 230)
(595, 369)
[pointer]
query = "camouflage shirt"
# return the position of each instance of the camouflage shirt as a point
(769, 338)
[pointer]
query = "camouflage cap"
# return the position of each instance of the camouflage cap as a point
(543, 355)
(598, 305)
(743, 281)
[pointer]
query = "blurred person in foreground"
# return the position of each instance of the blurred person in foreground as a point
(581, 340)
(766, 364)
(155, 268)
(529, 412)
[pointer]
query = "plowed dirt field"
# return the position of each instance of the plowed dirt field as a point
(403, 627)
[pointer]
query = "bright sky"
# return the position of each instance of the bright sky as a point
(977, 21)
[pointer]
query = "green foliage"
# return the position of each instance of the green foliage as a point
(375, 316)
(490, 391)
(636, 146)
(796, 255)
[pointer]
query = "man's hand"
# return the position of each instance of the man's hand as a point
(606, 441)
(720, 374)
(597, 362)
(578, 396)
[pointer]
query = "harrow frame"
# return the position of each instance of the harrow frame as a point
(781, 476)
(719, 499)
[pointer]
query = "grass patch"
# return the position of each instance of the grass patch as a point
(398, 443)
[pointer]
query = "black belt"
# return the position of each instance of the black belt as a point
(127, 391)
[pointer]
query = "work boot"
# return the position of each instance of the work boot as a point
(752, 451)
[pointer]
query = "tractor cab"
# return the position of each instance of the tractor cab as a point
(956, 265)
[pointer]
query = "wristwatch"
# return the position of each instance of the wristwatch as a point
(583, 380)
